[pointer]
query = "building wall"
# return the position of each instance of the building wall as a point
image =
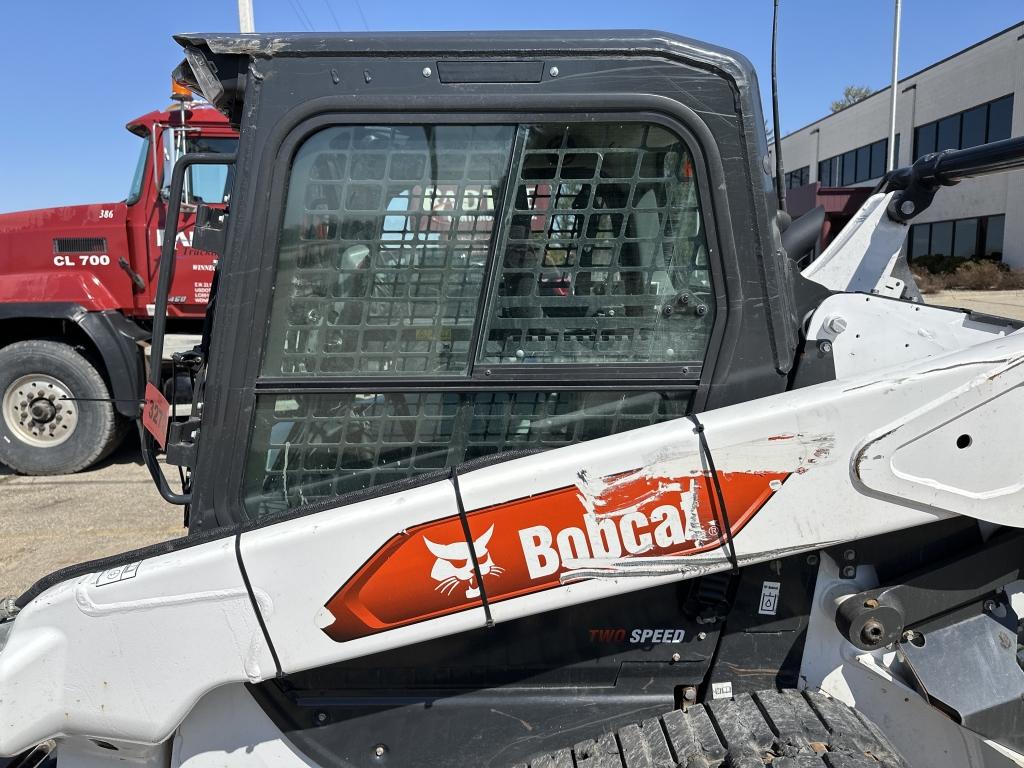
(983, 73)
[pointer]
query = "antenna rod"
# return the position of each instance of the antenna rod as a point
(780, 182)
(892, 159)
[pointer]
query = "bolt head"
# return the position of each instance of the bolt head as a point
(321, 717)
(849, 555)
(690, 693)
(553, 71)
(836, 324)
(676, 657)
(990, 605)
(825, 347)
(427, 72)
(907, 207)
(812, 559)
(379, 750)
(849, 571)
(702, 636)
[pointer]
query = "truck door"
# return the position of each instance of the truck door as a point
(190, 291)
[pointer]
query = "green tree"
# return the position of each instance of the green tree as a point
(851, 95)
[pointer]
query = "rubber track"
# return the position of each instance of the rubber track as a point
(784, 729)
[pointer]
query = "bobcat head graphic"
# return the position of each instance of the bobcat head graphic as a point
(454, 565)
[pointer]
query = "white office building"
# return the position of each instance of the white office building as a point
(970, 98)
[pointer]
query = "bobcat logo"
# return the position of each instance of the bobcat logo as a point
(454, 566)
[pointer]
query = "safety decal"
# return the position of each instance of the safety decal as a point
(534, 543)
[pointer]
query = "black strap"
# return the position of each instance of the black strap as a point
(453, 475)
(256, 605)
(721, 511)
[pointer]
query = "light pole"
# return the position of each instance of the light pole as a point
(245, 21)
(892, 96)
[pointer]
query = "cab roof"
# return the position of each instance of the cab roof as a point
(196, 114)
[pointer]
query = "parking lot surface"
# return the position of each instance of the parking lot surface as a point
(48, 523)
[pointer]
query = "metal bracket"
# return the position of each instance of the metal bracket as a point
(877, 617)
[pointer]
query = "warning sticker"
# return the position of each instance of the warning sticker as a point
(120, 573)
(769, 598)
(721, 690)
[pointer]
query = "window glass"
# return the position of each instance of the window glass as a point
(864, 163)
(878, 158)
(965, 238)
(382, 251)
(1000, 118)
(918, 243)
(942, 238)
(603, 255)
(924, 140)
(309, 447)
(948, 133)
(135, 191)
(850, 168)
(974, 126)
(824, 175)
(204, 183)
(994, 237)
(596, 254)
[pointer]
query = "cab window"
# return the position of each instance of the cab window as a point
(447, 292)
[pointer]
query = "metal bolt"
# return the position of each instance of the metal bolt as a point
(427, 72)
(907, 207)
(836, 323)
(702, 636)
(690, 693)
(553, 71)
(379, 750)
(825, 346)
(909, 635)
(702, 309)
(872, 632)
(849, 555)
(849, 571)
(676, 657)
(321, 717)
(670, 352)
(990, 605)
(520, 354)
(812, 559)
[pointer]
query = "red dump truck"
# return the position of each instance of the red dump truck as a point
(77, 288)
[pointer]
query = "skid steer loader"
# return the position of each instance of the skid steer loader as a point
(519, 440)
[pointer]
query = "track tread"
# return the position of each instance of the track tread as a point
(787, 729)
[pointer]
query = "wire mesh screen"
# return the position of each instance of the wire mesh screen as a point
(602, 256)
(382, 254)
(307, 448)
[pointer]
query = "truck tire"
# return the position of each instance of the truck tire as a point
(784, 729)
(41, 433)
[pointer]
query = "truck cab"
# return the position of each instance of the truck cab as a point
(77, 288)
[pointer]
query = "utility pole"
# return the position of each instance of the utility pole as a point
(895, 82)
(245, 22)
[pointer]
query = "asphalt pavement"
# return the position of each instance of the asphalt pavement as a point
(48, 523)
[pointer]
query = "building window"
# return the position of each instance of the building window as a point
(858, 165)
(985, 123)
(799, 177)
(974, 238)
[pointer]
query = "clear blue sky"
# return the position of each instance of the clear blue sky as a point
(75, 72)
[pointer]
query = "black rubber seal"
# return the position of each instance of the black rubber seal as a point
(453, 475)
(256, 605)
(719, 508)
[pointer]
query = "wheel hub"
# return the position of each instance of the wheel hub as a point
(39, 410)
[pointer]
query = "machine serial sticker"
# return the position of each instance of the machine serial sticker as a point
(721, 690)
(121, 573)
(769, 598)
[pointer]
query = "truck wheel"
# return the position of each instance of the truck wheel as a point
(784, 729)
(41, 433)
